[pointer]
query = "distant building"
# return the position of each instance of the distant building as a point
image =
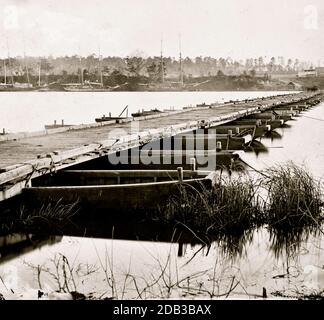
(307, 73)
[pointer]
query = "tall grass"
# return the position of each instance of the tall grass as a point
(286, 197)
(237, 202)
(230, 206)
(294, 197)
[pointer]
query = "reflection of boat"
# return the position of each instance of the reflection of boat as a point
(257, 147)
(15, 245)
(146, 113)
(112, 189)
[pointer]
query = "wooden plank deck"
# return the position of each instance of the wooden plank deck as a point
(21, 150)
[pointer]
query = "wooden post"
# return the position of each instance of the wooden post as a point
(3, 131)
(193, 164)
(264, 293)
(180, 174)
(230, 133)
(219, 146)
(54, 122)
(237, 130)
(62, 122)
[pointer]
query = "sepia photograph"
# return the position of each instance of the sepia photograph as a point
(158, 150)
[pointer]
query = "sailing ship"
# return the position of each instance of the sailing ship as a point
(86, 85)
(15, 86)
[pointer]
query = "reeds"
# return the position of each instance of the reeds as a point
(294, 197)
(230, 206)
(291, 198)
(237, 203)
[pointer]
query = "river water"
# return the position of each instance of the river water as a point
(30, 111)
(121, 262)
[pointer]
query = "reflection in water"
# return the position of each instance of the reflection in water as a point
(233, 266)
(15, 245)
(257, 147)
(272, 135)
(288, 242)
(287, 125)
(301, 142)
(233, 245)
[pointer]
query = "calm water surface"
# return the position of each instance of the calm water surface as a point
(30, 111)
(232, 268)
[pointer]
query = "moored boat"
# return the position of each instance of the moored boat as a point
(117, 189)
(146, 113)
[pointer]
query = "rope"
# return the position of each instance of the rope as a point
(254, 169)
(313, 118)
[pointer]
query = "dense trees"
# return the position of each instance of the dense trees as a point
(136, 66)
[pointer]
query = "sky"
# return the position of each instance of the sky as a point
(227, 28)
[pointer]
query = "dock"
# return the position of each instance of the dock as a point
(27, 156)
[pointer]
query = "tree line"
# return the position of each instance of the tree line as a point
(155, 69)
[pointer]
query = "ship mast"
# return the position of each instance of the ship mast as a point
(81, 71)
(39, 73)
(26, 67)
(100, 68)
(180, 59)
(9, 63)
(162, 63)
(5, 71)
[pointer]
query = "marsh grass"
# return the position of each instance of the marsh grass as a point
(285, 197)
(231, 206)
(294, 197)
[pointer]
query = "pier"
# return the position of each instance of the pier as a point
(229, 127)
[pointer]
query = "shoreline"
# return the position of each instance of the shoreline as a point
(141, 91)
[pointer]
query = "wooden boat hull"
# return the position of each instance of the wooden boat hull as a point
(256, 131)
(146, 113)
(162, 160)
(263, 115)
(201, 142)
(124, 197)
(274, 124)
(116, 119)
